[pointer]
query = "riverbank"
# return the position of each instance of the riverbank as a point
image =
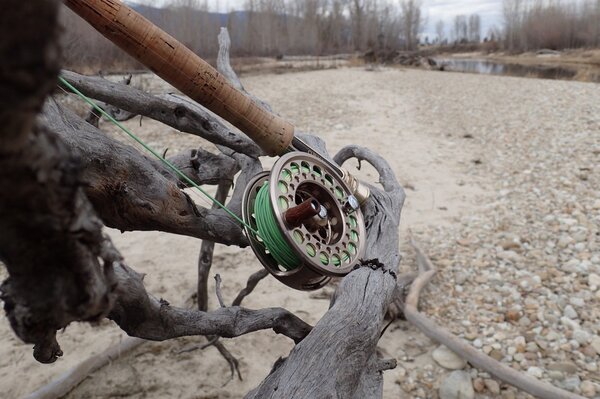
(502, 184)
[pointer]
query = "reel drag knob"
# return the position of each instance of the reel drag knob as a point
(309, 224)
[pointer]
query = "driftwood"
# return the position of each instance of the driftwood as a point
(93, 116)
(183, 115)
(133, 192)
(206, 253)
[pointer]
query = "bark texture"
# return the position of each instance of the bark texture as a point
(133, 192)
(142, 315)
(50, 240)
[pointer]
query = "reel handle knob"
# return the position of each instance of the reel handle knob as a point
(298, 214)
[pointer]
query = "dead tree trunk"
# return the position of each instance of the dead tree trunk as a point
(51, 237)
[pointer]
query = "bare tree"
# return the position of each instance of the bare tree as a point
(474, 28)
(512, 13)
(460, 29)
(412, 23)
(553, 25)
(440, 31)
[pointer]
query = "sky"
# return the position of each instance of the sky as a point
(490, 12)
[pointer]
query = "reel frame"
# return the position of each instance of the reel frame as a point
(328, 244)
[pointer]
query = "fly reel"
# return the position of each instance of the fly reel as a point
(309, 224)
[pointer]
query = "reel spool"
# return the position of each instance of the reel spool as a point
(310, 226)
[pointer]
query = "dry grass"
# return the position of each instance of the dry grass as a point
(588, 75)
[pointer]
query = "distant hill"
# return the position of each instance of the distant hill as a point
(156, 14)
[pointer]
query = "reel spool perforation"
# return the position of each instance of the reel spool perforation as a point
(326, 244)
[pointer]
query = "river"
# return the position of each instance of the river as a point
(488, 67)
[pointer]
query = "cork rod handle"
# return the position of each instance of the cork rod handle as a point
(179, 66)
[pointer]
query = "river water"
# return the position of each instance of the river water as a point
(471, 65)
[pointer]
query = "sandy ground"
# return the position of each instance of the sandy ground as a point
(433, 128)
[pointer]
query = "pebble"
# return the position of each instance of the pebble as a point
(566, 367)
(556, 375)
(496, 354)
(570, 383)
(520, 341)
(577, 302)
(457, 385)
(570, 312)
(569, 323)
(508, 395)
(564, 241)
(510, 256)
(535, 372)
(595, 343)
(594, 281)
(448, 359)
(581, 336)
(478, 385)
(492, 386)
(512, 315)
(588, 389)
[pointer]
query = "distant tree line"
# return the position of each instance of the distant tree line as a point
(551, 24)
(465, 29)
(262, 28)
(322, 27)
(530, 25)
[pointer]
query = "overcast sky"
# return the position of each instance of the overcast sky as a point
(445, 10)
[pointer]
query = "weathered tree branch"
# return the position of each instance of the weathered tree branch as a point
(356, 316)
(224, 66)
(175, 111)
(144, 316)
(253, 281)
(93, 116)
(133, 192)
(203, 167)
(206, 253)
(223, 62)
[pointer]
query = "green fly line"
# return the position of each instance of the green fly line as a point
(268, 230)
(273, 239)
